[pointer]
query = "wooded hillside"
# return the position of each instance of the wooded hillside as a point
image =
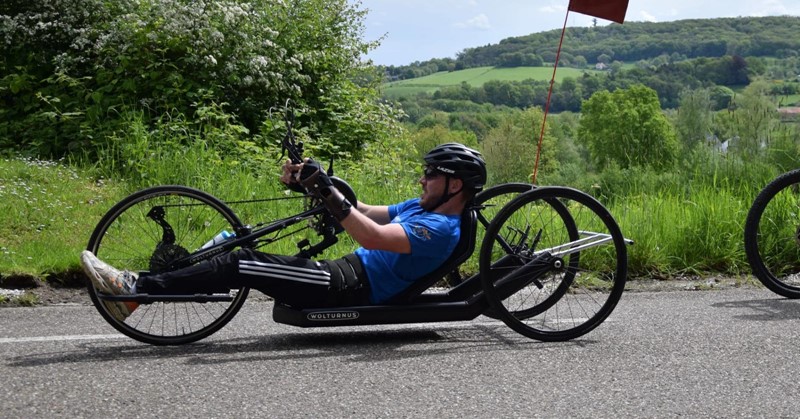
(775, 36)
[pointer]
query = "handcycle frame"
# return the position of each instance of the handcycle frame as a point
(463, 302)
(508, 264)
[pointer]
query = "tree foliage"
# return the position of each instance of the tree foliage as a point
(70, 69)
(753, 118)
(773, 36)
(510, 148)
(627, 127)
(694, 119)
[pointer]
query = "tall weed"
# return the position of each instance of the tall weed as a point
(199, 153)
(676, 235)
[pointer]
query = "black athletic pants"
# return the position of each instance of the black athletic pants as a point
(290, 280)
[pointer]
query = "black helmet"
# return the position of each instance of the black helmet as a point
(459, 161)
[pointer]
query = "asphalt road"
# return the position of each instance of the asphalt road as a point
(723, 353)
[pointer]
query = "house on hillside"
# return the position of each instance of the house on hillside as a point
(789, 114)
(600, 66)
(719, 145)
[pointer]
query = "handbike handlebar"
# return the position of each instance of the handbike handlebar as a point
(289, 145)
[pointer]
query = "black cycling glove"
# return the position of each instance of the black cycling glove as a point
(317, 183)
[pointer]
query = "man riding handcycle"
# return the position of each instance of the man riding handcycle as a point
(552, 261)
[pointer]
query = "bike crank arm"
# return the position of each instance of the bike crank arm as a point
(157, 214)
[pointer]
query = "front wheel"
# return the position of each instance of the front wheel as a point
(146, 232)
(550, 275)
(772, 235)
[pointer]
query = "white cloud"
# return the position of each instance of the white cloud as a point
(549, 9)
(647, 17)
(769, 7)
(478, 22)
(557, 7)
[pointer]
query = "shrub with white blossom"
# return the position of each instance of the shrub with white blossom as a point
(73, 72)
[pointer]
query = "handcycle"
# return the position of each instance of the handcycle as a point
(772, 235)
(552, 263)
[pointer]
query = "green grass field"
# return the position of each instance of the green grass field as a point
(475, 77)
(789, 100)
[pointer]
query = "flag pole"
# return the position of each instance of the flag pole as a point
(547, 104)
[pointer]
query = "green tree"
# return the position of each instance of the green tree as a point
(693, 122)
(510, 148)
(425, 139)
(721, 97)
(754, 116)
(514, 59)
(500, 92)
(71, 70)
(533, 60)
(567, 96)
(627, 127)
(433, 119)
(580, 62)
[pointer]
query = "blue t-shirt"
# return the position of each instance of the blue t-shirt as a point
(432, 236)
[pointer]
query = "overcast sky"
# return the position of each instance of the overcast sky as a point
(418, 30)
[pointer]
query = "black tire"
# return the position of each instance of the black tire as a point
(569, 295)
(772, 235)
(127, 239)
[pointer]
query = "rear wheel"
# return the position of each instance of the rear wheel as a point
(146, 232)
(488, 203)
(549, 276)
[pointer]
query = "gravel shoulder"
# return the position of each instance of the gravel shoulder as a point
(25, 291)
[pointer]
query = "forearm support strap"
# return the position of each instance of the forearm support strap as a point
(319, 184)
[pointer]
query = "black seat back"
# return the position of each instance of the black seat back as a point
(462, 252)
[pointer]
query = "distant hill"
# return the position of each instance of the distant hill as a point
(775, 36)
(629, 42)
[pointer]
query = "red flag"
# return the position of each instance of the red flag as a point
(613, 10)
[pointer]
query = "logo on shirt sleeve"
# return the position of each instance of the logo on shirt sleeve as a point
(422, 232)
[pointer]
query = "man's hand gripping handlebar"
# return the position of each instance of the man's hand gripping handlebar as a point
(310, 178)
(319, 184)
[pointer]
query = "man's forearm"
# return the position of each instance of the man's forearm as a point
(371, 235)
(377, 213)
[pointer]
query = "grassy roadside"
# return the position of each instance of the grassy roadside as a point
(49, 209)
